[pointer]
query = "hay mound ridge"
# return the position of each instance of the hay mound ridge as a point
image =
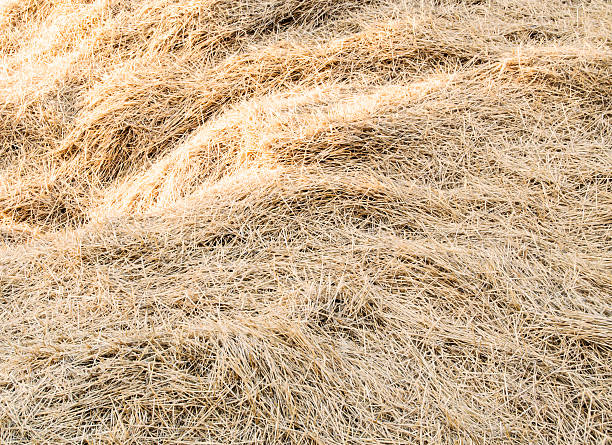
(305, 221)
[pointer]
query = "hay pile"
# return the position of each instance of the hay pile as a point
(305, 221)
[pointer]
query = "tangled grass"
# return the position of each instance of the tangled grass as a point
(306, 221)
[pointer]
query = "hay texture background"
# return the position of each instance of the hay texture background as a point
(306, 221)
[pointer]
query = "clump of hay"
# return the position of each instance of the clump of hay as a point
(305, 221)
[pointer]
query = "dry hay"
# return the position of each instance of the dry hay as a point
(305, 221)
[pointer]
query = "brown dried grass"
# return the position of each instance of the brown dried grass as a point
(305, 221)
